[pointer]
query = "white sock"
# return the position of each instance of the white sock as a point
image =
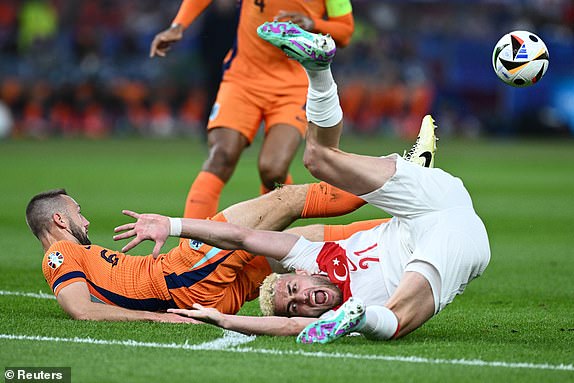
(320, 80)
(323, 108)
(380, 323)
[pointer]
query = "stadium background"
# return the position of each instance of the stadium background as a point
(81, 68)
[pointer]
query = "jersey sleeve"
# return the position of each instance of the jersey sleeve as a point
(340, 23)
(61, 266)
(189, 10)
(303, 256)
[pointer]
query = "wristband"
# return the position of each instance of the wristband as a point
(174, 227)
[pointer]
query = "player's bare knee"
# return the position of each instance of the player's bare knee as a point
(314, 159)
(222, 161)
(272, 175)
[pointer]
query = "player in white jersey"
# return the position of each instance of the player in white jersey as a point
(386, 281)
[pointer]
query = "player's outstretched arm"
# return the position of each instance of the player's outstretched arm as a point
(224, 235)
(276, 326)
(188, 12)
(75, 300)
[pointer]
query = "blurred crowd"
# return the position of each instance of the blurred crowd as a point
(81, 68)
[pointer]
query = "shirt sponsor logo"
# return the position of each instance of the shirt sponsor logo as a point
(55, 259)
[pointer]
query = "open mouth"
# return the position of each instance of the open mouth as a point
(320, 297)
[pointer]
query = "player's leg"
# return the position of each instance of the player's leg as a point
(277, 152)
(323, 158)
(324, 200)
(339, 232)
(233, 123)
(330, 233)
(411, 305)
(412, 302)
(278, 209)
(361, 174)
(225, 148)
(272, 211)
(285, 126)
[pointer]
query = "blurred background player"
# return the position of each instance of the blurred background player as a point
(253, 90)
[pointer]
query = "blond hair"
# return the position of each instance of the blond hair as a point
(267, 294)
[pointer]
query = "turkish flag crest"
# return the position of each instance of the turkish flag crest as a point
(332, 259)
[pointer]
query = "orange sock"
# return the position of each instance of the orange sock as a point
(324, 200)
(264, 190)
(338, 232)
(203, 197)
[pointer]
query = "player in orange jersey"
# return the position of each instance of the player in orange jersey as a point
(254, 90)
(83, 275)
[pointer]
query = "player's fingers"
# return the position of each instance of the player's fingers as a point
(163, 46)
(196, 306)
(157, 249)
(182, 312)
(127, 234)
(130, 213)
(302, 21)
(124, 227)
(164, 49)
(283, 13)
(133, 243)
(157, 45)
(152, 48)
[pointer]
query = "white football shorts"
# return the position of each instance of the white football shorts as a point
(433, 222)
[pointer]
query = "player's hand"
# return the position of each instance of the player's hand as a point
(300, 19)
(153, 227)
(203, 314)
(174, 318)
(163, 41)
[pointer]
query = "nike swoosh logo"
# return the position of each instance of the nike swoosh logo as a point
(428, 158)
(286, 49)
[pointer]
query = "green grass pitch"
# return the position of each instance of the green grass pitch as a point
(513, 324)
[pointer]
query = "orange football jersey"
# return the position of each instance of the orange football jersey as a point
(190, 273)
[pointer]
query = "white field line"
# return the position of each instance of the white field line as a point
(39, 294)
(229, 339)
(229, 346)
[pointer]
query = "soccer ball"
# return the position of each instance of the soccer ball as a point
(520, 58)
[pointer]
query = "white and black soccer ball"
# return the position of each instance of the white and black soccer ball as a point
(520, 58)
